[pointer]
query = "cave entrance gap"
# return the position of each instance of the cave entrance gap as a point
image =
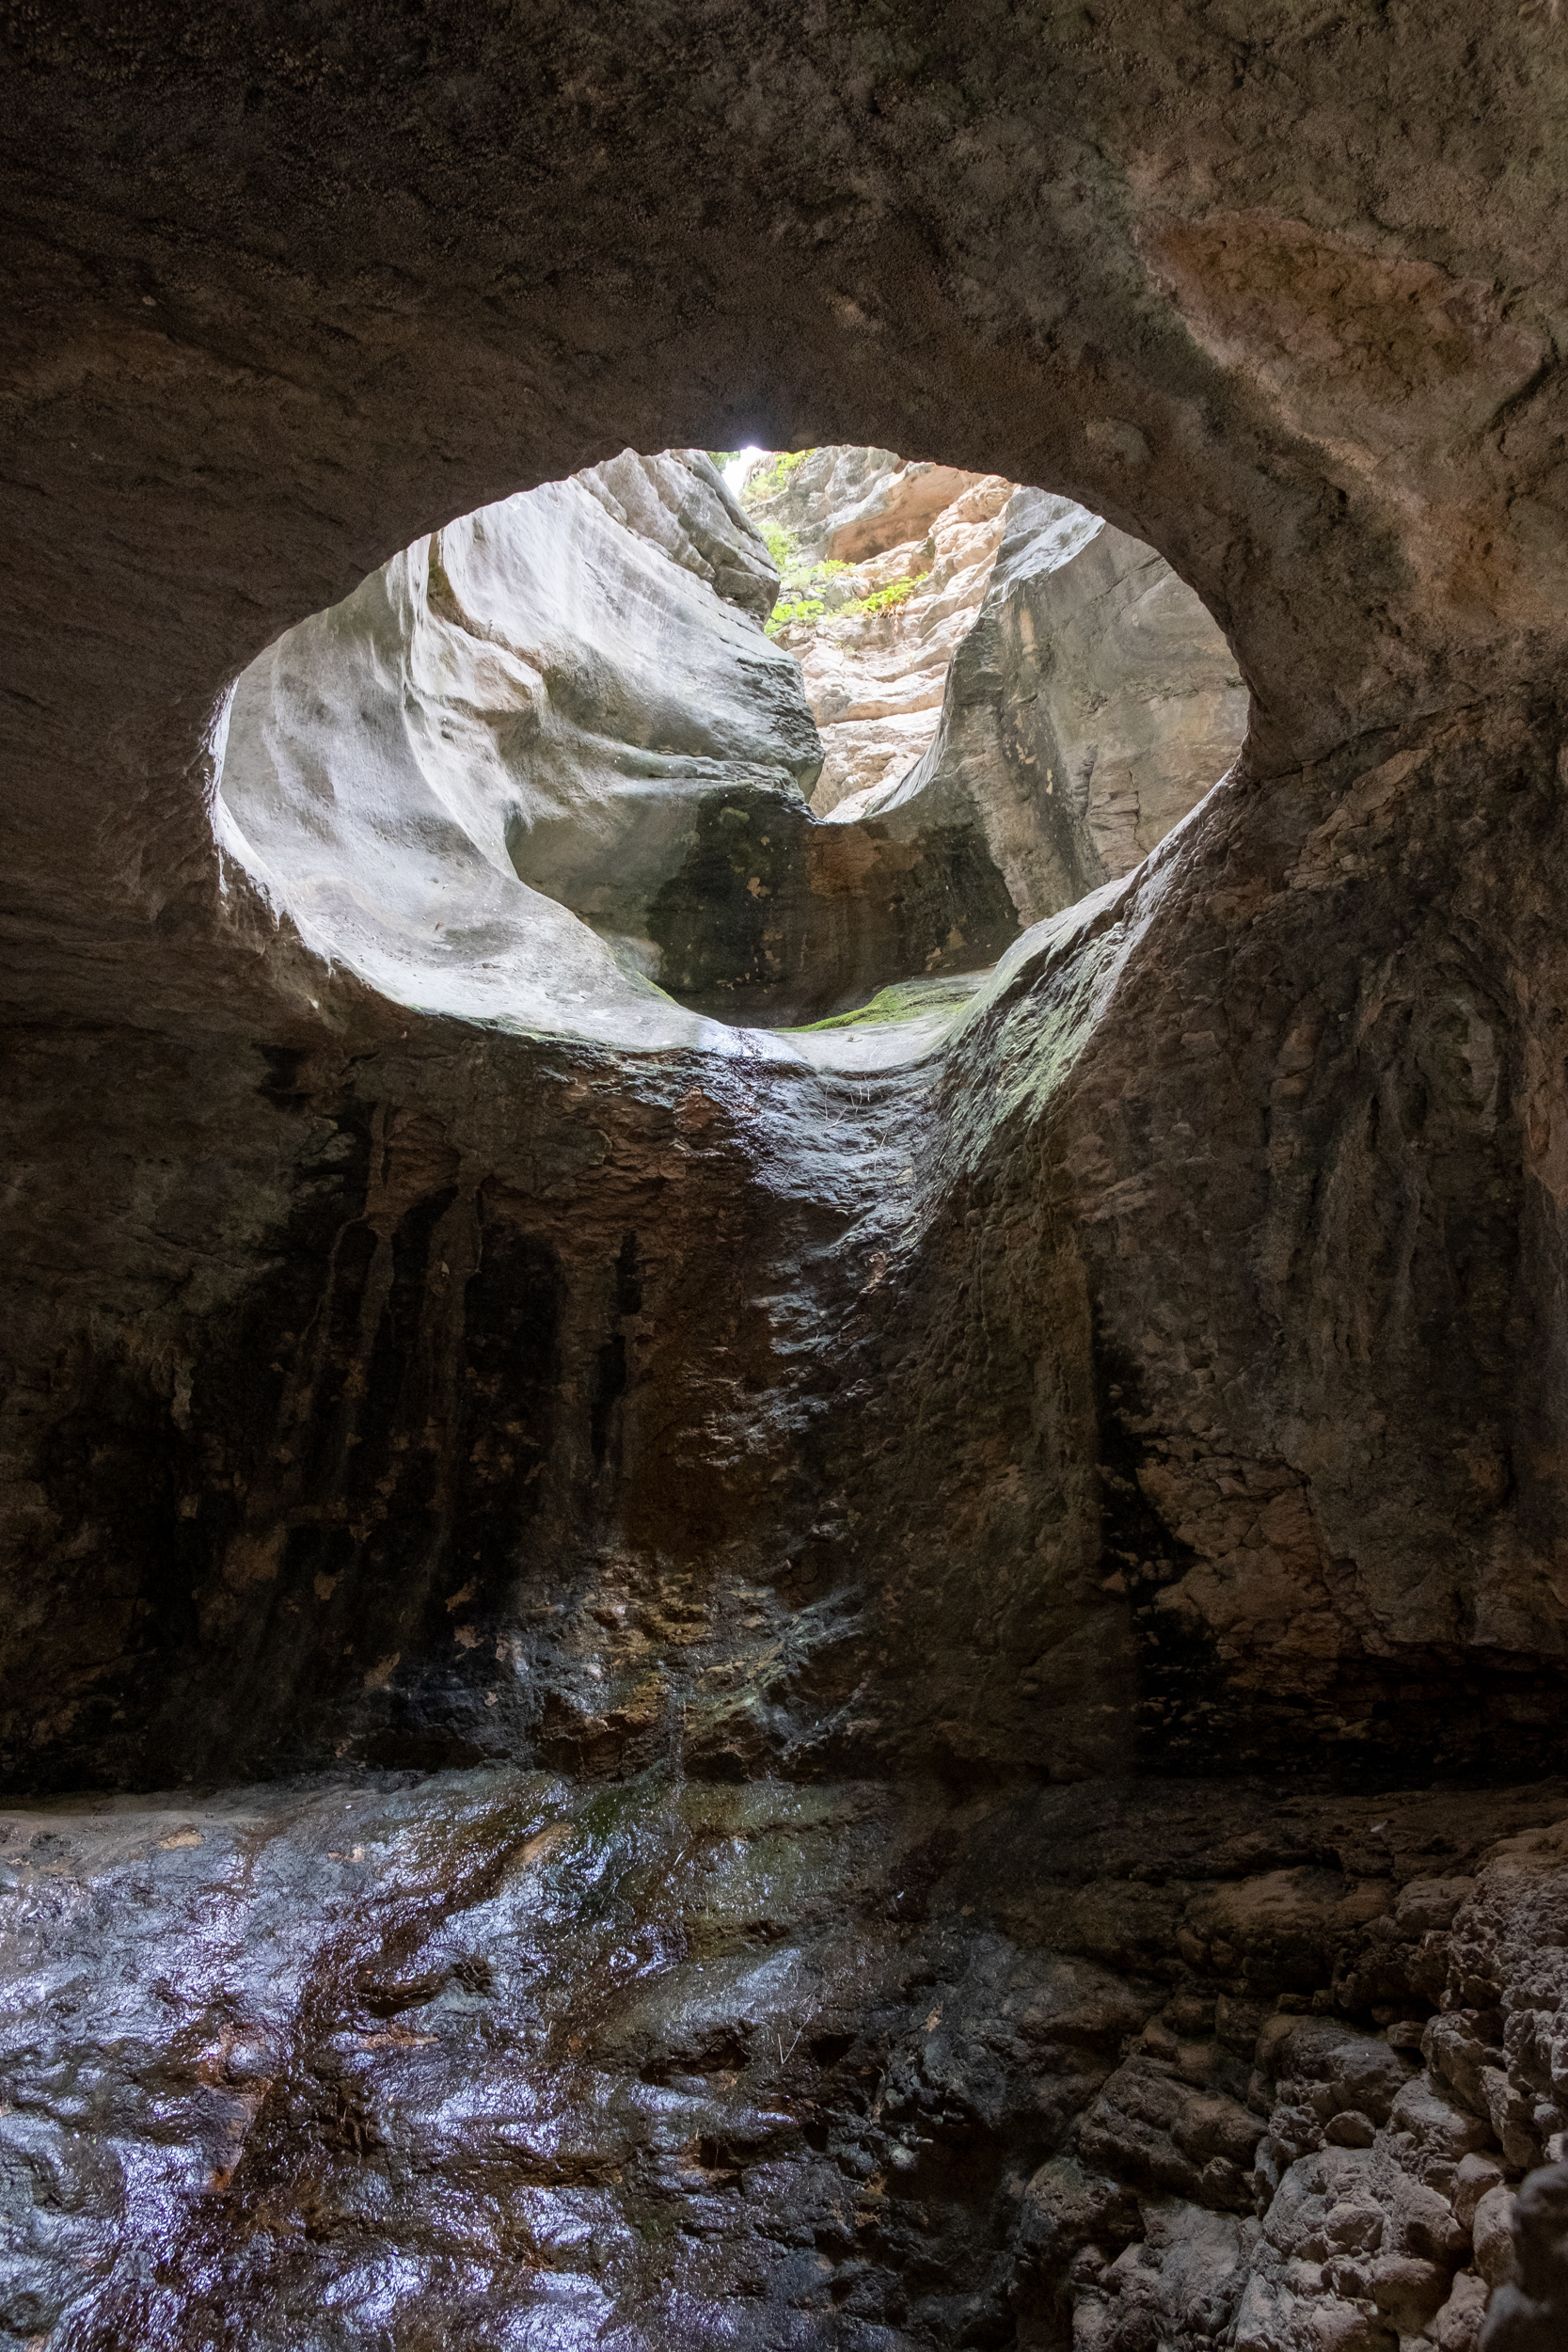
(793, 739)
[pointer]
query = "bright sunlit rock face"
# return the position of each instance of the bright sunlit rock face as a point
(468, 779)
(545, 770)
(967, 642)
(558, 768)
(548, 771)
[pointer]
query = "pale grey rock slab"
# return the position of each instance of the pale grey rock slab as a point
(895, 507)
(468, 779)
(688, 510)
(1092, 704)
(821, 487)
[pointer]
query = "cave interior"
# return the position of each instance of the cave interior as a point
(785, 1453)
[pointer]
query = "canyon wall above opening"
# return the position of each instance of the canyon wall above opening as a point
(545, 770)
(684, 1690)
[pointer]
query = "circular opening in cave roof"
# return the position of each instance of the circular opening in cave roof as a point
(714, 741)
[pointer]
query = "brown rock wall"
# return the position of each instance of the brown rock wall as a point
(1348, 1243)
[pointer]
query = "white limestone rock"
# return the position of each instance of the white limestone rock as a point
(470, 780)
(875, 680)
(1093, 703)
(848, 503)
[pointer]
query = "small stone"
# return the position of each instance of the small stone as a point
(1492, 2231)
(1476, 2176)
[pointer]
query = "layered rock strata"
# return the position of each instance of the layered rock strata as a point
(861, 522)
(1089, 705)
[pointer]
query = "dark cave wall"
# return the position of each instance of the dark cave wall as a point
(1162, 1397)
(504, 1332)
(1169, 1384)
(1245, 1306)
(289, 291)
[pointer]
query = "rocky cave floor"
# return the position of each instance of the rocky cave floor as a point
(498, 2060)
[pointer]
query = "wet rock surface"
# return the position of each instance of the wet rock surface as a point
(681, 2062)
(550, 1325)
(603, 1439)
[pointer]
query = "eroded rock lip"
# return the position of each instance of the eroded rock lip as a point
(527, 721)
(543, 772)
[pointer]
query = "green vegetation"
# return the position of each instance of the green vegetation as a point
(905, 1000)
(767, 481)
(883, 599)
(799, 608)
(801, 602)
(799, 579)
(780, 543)
(889, 1004)
(802, 609)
